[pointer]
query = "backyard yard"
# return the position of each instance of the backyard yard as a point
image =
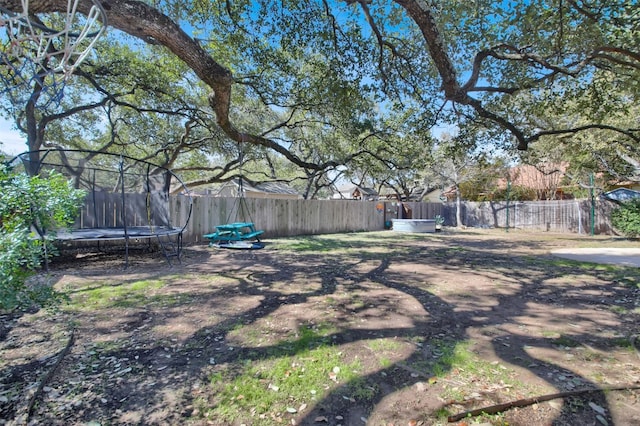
(378, 328)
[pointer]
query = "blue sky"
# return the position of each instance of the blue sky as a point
(11, 141)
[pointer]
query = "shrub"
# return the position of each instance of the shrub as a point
(626, 218)
(45, 202)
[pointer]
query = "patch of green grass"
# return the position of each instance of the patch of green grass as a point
(316, 243)
(288, 377)
(385, 362)
(356, 302)
(451, 355)
(248, 336)
(122, 295)
(621, 310)
(566, 341)
(360, 390)
(457, 249)
(455, 360)
(361, 246)
(628, 277)
(381, 345)
(558, 262)
(107, 346)
(623, 342)
(442, 414)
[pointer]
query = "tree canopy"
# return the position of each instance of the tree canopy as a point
(358, 76)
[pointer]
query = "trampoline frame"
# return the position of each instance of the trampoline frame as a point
(164, 232)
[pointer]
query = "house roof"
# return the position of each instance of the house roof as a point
(278, 188)
(270, 188)
(350, 188)
(540, 177)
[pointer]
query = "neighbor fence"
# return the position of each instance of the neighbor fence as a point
(576, 216)
(284, 218)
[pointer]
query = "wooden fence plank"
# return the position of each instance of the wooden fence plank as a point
(286, 217)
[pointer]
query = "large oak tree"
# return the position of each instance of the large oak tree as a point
(524, 71)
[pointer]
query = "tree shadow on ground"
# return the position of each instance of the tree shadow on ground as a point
(400, 295)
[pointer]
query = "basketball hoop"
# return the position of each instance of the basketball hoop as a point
(36, 59)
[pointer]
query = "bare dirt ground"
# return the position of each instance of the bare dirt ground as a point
(542, 325)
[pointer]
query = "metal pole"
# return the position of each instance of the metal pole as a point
(124, 213)
(593, 205)
(508, 195)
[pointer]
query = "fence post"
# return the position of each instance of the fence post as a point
(508, 195)
(593, 206)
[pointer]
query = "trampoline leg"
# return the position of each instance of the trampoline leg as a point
(126, 252)
(171, 249)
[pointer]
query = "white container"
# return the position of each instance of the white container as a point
(414, 225)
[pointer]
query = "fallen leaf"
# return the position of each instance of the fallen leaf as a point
(320, 419)
(597, 408)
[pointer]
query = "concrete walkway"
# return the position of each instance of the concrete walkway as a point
(614, 256)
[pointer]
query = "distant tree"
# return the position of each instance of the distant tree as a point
(453, 165)
(487, 180)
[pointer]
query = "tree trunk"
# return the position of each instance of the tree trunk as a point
(459, 223)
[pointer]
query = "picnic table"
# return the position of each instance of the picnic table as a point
(237, 231)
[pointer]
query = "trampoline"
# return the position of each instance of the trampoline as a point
(127, 199)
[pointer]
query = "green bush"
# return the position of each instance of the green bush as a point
(626, 218)
(45, 202)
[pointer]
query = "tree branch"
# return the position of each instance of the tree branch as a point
(499, 408)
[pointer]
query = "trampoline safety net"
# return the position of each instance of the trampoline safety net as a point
(125, 197)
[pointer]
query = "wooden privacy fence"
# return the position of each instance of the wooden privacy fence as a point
(285, 218)
(103, 209)
(574, 216)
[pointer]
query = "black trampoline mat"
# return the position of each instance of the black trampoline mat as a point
(116, 233)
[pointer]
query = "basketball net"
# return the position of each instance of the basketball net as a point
(39, 53)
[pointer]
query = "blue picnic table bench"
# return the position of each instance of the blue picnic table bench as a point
(237, 231)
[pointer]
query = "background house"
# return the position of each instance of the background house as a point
(355, 192)
(543, 179)
(439, 195)
(629, 184)
(418, 193)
